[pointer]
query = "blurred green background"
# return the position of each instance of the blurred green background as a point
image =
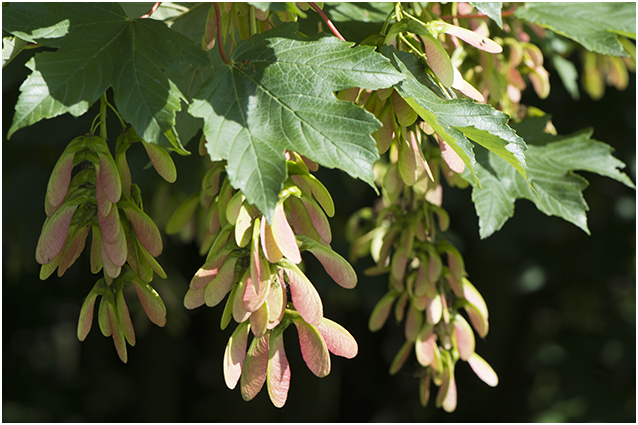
(562, 304)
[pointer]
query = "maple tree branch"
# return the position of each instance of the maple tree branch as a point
(150, 12)
(326, 20)
(220, 43)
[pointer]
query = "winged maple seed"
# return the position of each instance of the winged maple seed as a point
(100, 198)
(256, 263)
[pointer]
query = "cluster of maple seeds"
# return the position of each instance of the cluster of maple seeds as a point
(101, 197)
(426, 293)
(402, 238)
(256, 263)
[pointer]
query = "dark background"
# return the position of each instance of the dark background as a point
(562, 304)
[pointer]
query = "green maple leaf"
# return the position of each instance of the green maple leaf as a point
(491, 9)
(277, 94)
(99, 47)
(550, 171)
(458, 121)
(594, 25)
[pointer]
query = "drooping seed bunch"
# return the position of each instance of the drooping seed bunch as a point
(90, 190)
(427, 280)
(256, 263)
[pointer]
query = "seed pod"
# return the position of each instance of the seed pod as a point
(301, 221)
(210, 182)
(476, 308)
(318, 218)
(234, 354)
(381, 312)
(258, 284)
(278, 373)
(276, 301)
(110, 225)
(438, 59)
(413, 323)
(385, 134)
(54, 232)
(424, 390)
(259, 320)
(284, 236)
(104, 206)
(145, 229)
(96, 249)
(255, 367)
(151, 302)
(268, 245)
(86, 312)
(233, 206)
(59, 181)
(463, 337)
(73, 248)
(182, 215)
(451, 158)
(470, 37)
(425, 344)
(335, 265)
(162, 161)
(401, 357)
(406, 116)
(466, 88)
(194, 298)
(123, 317)
(313, 348)
(338, 340)
(239, 312)
(225, 193)
(219, 286)
(321, 194)
(116, 327)
(109, 177)
(399, 308)
(116, 251)
(304, 296)
(398, 264)
(135, 259)
(483, 370)
(434, 310)
(540, 81)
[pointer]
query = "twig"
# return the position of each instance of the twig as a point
(326, 20)
(478, 15)
(220, 43)
(150, 12)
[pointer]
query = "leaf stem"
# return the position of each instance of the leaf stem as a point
(117, 114)
(417, 20)
(103, 103)
(414, 49)
(93, 124)
(219, 34)
(253, 21)
(150, 12)
(326, 20)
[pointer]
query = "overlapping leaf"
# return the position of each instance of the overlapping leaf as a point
(550, 172)
(277, 94)
(99, 47)
(458, 121)
(594, 25)
(491, 9)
